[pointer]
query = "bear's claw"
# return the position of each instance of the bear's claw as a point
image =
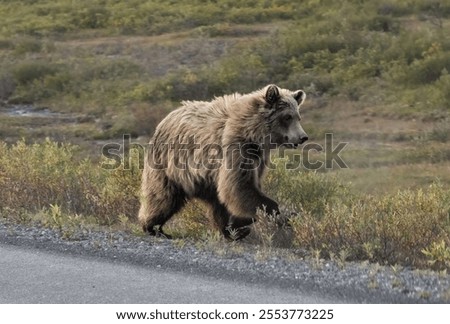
(237, 234)
(158, 232)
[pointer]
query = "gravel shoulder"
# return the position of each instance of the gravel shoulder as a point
(351, 282)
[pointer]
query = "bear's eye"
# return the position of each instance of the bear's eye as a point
(288, 118)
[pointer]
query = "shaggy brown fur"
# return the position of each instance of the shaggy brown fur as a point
(217, 152)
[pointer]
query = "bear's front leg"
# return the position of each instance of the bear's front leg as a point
(257, 200)
(239, 182)
(242, 197)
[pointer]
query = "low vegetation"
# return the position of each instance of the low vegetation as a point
(409, 227)
(35, 177)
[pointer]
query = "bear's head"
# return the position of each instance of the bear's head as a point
(283, 116)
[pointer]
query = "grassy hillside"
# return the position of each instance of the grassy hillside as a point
(376, 75)
(392, 57)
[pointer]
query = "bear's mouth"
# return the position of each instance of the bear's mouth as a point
(290, 145)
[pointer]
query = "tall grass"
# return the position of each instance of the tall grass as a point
(409, 227)
(35, 177)
(390, 229)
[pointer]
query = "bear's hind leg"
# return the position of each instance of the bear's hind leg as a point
(159, 202)
(156, 221)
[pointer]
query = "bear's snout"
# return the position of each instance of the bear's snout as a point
(303, 139)
(300, 139)
(294, 143)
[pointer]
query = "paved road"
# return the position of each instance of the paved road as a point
(29, 275)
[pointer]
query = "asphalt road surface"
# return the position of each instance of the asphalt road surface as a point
(31, 275)
(39, 265)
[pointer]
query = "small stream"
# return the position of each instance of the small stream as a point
(44, 114)
(28, 111)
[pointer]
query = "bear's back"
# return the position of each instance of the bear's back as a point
(203, 120)
(196, 129)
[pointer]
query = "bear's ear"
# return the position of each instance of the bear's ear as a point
(272, 94)
(299, 96)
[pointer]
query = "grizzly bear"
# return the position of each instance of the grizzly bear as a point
(217, 152)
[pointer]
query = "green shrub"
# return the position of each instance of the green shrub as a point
(438, 254)
(441, 131)
(123, 123)
(7, 86)
(28, 45)
(398, 8)
(39, 83)
(441, 96)
(25, 73)
(90, 17)
(6, 44)
(108, 69)
(57, 82)
(429, 69)
(38, 175)
(147, 116)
